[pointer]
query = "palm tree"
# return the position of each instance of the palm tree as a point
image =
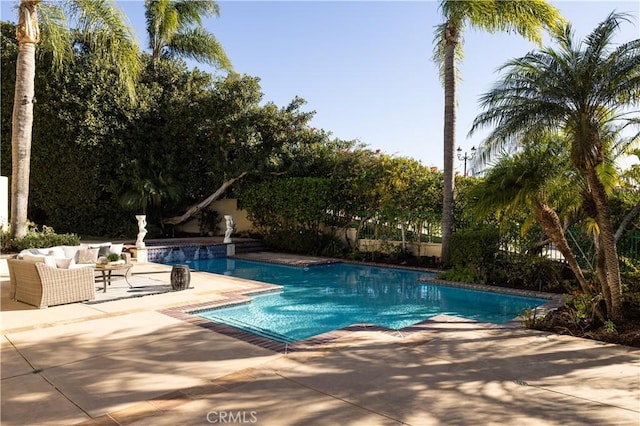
(175, 29)
(142, 193)
(100, 27)
(582, 89)
(526, 17)
(541, 179)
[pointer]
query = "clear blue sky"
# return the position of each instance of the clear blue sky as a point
(365, 67)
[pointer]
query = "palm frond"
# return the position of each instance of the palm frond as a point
(575, 88)
(106, 31)
(175, 29)
(191, 12)
(56, 37)
(439, 45)
(201, 46)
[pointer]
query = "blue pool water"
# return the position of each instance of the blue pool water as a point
(322, 298)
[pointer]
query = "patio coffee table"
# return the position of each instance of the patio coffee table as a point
(107, 269)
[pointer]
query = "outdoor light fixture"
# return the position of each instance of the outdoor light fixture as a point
(466, 156)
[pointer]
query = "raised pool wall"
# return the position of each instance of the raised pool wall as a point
(180, 250)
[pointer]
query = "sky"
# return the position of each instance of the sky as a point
(366, 68)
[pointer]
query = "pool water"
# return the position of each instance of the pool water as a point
(318, 299)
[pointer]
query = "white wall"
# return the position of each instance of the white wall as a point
(4, 202)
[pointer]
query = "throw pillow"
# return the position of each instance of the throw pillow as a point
(71, 252)
(50, 261)
(64, 263)
(116, 248)
(56, 252)
(103, 247)
(88, 255)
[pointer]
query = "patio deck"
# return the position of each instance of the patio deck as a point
(126, 362)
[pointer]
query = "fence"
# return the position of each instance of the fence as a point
(582, 246)
(511, 240)
(629, 250)
(424, 232)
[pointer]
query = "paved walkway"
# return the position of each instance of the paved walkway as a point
(126, 363)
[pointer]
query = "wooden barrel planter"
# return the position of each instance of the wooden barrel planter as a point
(180, 277)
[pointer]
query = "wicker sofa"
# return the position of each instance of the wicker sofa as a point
(40, 285)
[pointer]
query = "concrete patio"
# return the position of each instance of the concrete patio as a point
(126, 362)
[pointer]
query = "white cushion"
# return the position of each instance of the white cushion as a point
(82, 265)
(64, 263)
(50, 261)
(56, 252)
(71, 251)
(88, 255)
(37, 251)
(23, 252)
(116, 248)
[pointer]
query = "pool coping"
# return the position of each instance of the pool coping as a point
(188, 313)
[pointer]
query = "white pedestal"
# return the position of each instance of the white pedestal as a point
(141, 255)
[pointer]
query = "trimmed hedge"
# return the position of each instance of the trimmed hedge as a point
(37, 239)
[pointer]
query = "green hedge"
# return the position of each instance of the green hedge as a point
(473, 252)
(37, 239)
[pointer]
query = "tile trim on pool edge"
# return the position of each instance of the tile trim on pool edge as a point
(186, 313)
(236, 297)
(493, 289)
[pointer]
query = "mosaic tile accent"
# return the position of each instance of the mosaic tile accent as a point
(182, 252)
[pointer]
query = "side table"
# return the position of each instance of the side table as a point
(108, 268)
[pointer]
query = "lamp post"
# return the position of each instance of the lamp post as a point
(466, 157)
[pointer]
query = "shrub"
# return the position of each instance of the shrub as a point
(473, 252)
(208, 221)
(37, 239)
(461, 274)
(530, 319)
(529, 271)
(305, 242)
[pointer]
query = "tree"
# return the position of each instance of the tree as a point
(583, 90)
(175, 30)
(241, 137)
(101, 29)
(540, 179)
(526, 17)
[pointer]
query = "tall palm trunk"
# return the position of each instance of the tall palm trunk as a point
(607, 245)
(552, 226)
(28, 34)
(601, 275)
(449, 137)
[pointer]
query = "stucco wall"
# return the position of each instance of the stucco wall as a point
(223, 207)
(422, 249)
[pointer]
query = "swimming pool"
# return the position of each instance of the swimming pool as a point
(323, 298)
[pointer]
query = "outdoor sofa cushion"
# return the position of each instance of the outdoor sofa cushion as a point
(72, 257)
